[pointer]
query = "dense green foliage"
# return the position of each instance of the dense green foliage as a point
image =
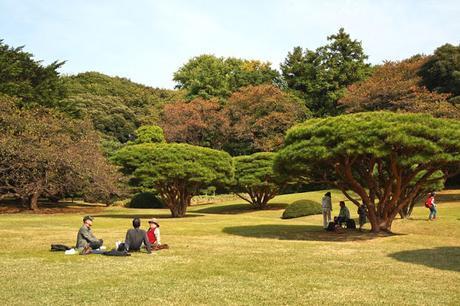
(145, 200)
(27, 79)
(175, 171)
(301, 208)
(255, 180)
(320, 77)
(149, 134)
(378, 155)
(442, 71)
(116, 105)
(208, 76)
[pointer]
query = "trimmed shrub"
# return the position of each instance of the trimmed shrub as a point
(302, 208)
(145, 200)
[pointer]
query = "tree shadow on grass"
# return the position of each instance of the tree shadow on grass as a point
(300, 232)
(442, 258)
(144, 216)
(241, 208)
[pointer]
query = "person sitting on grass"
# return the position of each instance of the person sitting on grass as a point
(362, 212)
(135, 237)
(154, 237)
(85, 238)
(344, 214)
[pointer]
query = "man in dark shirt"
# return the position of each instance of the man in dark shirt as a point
(136, 236)
(85, 237)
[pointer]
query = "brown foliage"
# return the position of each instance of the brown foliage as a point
(260, 115)
(44, 153)
(198, 122)
(395, 86)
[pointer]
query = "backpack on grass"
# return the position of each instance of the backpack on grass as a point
(59, 248)
(351, 224)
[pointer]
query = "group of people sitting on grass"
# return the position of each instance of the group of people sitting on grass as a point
(343, 217)
(136, 238)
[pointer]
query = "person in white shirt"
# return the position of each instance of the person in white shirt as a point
(326, 204)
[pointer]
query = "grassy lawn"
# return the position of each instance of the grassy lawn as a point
(226, 254)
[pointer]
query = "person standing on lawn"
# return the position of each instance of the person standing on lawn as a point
(362, 212)
(326, 204)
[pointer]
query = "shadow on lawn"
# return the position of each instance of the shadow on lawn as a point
(144, 216)
(233, 209)
(443, 258)
(300, 232)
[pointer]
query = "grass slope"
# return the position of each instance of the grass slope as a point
(235, 256)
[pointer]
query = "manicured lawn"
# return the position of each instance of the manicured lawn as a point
(226, 254)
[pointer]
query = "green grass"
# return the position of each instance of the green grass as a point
(231, 255)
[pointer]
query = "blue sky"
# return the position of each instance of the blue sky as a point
(146, 41)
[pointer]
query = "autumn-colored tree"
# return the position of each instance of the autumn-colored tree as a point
(259, 116)
(198, 122)
(395, 86)
(44, 153)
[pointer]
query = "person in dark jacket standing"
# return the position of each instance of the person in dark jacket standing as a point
(135, 237)
(85, 236)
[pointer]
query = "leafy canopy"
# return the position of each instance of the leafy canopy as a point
(378, 155)
(27, 79)
(254, 175)
(442, 71)
(175, 171)
(208, 76)
(321, 76)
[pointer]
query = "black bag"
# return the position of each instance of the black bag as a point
(115, 252)
(351, 224)
(122, 247)
(59, 248)
(330, 227)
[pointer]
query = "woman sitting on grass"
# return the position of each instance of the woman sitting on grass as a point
(153, 234)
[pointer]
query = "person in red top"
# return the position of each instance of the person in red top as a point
(153, 234)
(429, 203)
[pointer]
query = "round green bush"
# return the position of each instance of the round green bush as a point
(302, 208)
(145, 200)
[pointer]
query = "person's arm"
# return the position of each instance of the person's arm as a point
(147, 244)
(88, 235)
(157, 235)
(127, 240)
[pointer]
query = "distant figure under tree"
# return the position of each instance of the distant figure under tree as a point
(326, 204)
(431, 205)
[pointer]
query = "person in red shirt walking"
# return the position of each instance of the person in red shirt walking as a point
(430, 204)
(153, 234)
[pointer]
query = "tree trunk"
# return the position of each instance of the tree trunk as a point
(33, 201)
(178, 209)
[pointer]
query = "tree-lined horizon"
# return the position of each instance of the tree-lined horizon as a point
(231, 106)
